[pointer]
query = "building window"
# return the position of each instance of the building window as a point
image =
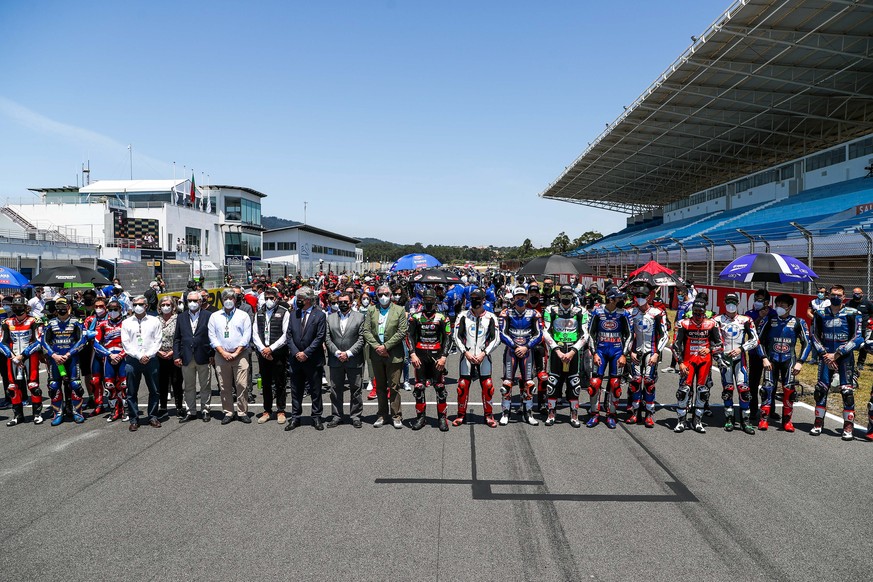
(192, 239)
(861, 148)
(825, 159)
(269, 246)
(232, 209)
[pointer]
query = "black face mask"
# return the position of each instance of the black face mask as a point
(62, 311)
(89, 301)
(430, 307)
(547, 290)
(343, 306)
(534, 300)
(476, 303)
(18, 310)
(566, 302)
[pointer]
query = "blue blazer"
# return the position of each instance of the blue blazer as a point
(192, 346)
(310, 342)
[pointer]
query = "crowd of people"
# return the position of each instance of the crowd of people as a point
(390, 334)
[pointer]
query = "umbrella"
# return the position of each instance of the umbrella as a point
(434, 276)
(767, 268)
(555, 265)
(69, 275)
(415, 261)
(12, 278)
(654, 280)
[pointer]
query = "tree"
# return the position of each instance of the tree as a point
(561, 244)
(586, 238)
(526, 247)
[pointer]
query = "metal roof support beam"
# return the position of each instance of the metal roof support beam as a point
(765, 34)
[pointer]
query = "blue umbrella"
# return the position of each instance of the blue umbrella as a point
(415, 261)
(12, 278)
(767, 268)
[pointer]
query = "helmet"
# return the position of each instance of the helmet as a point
(18, 301)
(477, 293)
(428, 295)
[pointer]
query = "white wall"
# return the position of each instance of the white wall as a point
(848, 170)
(81, 220)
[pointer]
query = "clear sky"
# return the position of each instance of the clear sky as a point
(411, 121)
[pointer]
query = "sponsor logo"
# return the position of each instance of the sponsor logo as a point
(739, 266)
(781, 348)
(609, 325)
(65, 277)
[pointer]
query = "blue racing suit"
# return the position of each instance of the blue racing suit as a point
(839, 334)
(611, 339)
(779, 336)
(65, 338)
(519, 329)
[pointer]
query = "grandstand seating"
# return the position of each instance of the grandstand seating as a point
(825, 210)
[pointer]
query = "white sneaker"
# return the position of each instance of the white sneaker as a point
(504, 419)
(529, 418)
(38, 419)
(668, 370)
(398, 423)
(379, 422)
(407, 386)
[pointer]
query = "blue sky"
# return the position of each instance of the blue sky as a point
(436, 122)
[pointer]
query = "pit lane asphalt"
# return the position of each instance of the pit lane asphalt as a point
(204, 501)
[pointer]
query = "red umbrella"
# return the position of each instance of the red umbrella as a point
(653, 268)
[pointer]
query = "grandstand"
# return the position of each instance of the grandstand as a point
(758, 137)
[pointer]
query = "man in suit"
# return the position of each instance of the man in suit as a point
(195, 356)
(345, 358)
(306, 333)
(385, 329)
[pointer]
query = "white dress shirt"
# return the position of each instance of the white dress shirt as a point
(344, 321)
(230, 330)
(141, 337)
(280, 341)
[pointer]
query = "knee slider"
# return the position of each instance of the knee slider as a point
(703, 395)
(745, 393)
(848, 394)
(76, 387)
(542, 376)
(54, 386)
(682, 393)
(575, 385)
(488, 384)
(615, 386)
(463, 384)
(820, 392)
(649, 385)
(594, 386)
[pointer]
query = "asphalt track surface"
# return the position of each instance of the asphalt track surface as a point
(239, 502)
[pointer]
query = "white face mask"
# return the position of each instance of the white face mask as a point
(229, 304)
(270, 303)
(365, 301)
(139, 309)
(781, 311)
(641, 301)
(114, 314)
(730, 307)
(165, 309)
(384, 300)
(758, 305)
(100, 311)
(193, 305)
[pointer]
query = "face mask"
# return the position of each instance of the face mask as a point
(344, 306)
(476, 303)
(63, 311)
(640, 301)
(384, 300)
(520, 303)
(365, 301)
(821, 295)
(165, 309)
(113, 314)
(180, 307)
(534, 300)
(566, 302)
(139, 309)
(270, 303)
(781, 311)
(100, 311)
(547, 290)
(396, 297)
(429, 307)
(836, 300)
(857, 295)
(758, 305)
(730, 307)
(193, 305)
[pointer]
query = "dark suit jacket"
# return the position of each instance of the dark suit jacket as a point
(311, 341)
(192, 346)
(350, 341)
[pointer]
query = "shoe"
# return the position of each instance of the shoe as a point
(698, 426)
(188, 418)
(747, 428)
(316, 422)
(251, 398)
(98, 411)
(632, 419)
(295, 422)
(762, 424)
(371, 395)
(668, 370)
(78, 418)
(848, 430)
(228, 418)
(407, 386)
(356, 422)
(680, 426)
(574, 420)
(550, 419)
(180, 412)
(162, 412)
(15, 420)
(398, 423)
(58, 419)
(154, 423)
(489, 420)
(280, 417)
(504, 418)
(650, 421)
(133, 427)
(593, 421)
(334, 422)
(116, 415)
(37, 419)
(815, 431)
(244, 418)
(443, 423)
(459, 420)
(611, 422)
(206, 416)
(529, 418)
(729, 424)
(419, 422)
(869, 436)
(788, 426)
(380, 422)
(264, 417)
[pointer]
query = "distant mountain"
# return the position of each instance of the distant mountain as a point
(366, 240)
(271, 222)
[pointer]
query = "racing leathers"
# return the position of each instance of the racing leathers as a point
(738, 338)
(521, 330)
(19, 342)
(428, 339)
(566, 335)
(697, 341)
(62, 340)
(475, 337)
(838, 334)
(610, 342)
(779, 336)
(650, 336)
(107, 345)
(93, 366)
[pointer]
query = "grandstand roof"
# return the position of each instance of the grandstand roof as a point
(769, 81)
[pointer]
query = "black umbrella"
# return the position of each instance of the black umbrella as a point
(556, 265)
(434, 276)
(66, 275)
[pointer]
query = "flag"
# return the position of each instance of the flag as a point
(208, 202)
(192, 188)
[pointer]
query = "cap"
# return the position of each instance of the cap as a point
(519, 291)
(732, 298)
(61, 301)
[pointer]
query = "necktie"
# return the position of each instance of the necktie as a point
(305, 321)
